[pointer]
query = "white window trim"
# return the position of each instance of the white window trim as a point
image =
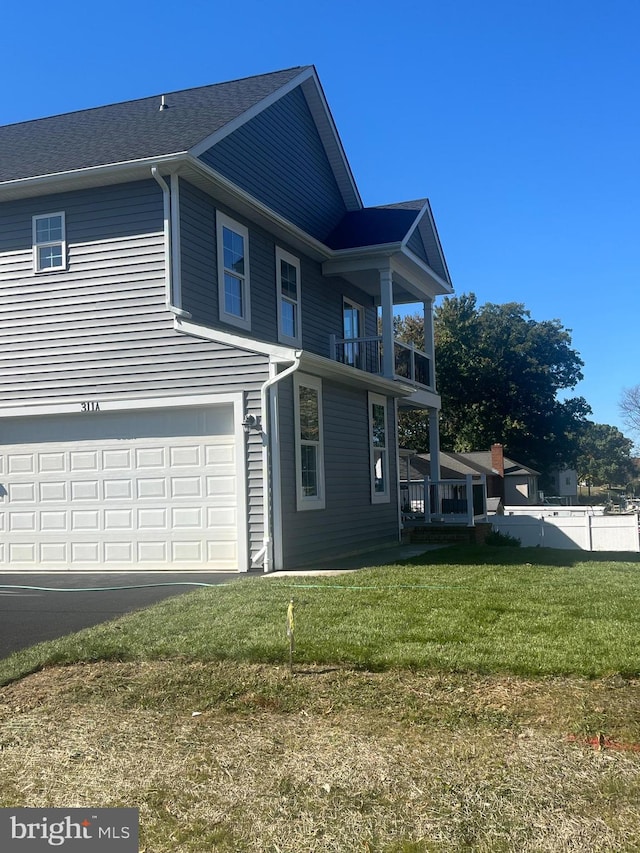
(281, 255)
(36, 245)
(360, 309)
(379, 497)
(305, 502)
(352, 352)
(243, 322)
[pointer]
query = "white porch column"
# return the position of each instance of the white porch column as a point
(386, 301)
(434, 443)
(429, 347)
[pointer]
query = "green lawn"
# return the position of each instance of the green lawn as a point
(523, 611)
(448, 704)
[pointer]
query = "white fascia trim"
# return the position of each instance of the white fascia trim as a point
(415, 224)
(427, 213)
(330, 137)
(326, 367)
(206, 333)
(108, 169)
(414, 259)
(78, 405)
(252, 112)
(247, 198)
(363, 258)
(438, 243)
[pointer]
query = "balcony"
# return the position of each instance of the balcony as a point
(409, 363)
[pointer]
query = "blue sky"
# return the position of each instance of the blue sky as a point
(519, 120)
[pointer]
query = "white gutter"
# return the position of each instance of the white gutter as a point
(265, 553)
(171, 253)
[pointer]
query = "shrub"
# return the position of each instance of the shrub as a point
(498, 538)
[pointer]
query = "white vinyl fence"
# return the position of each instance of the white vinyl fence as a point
(587, 533)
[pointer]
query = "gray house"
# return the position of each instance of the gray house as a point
(192, 374)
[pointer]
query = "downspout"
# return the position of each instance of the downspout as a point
(264, 555)
(169, 237)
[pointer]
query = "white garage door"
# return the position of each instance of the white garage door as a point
(151, 489)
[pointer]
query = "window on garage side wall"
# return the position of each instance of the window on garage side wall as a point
(309, 443)
(49, 242)
(379, 449)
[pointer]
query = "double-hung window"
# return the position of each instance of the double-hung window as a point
(49, 242)
(288, 284)
(379, 449)
(233, 272)
(309, 449)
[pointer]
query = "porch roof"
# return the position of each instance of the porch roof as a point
(455, 466)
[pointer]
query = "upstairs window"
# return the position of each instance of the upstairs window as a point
(233, 272)
(379, 449)
(288, 283)
(309, 444)
(49, 242)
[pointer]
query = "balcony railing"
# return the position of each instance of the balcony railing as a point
(445, 501)
(366, 354)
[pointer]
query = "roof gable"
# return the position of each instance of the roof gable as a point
(409, 223)
(279, 157)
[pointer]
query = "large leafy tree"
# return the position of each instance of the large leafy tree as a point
(499, 374)
(604, 456)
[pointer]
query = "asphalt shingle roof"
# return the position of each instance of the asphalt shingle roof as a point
(130, 130)
(455, 465)
(374, 226)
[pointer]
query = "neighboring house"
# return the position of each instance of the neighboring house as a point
(514, 484)
(565, 485)
(192, 375)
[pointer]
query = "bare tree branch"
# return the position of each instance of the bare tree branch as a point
(630, 407)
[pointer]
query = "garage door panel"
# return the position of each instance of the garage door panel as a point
(22, 463)
(22, 493)
(99, 502)
(51, 462)
(53, 554)
(188, 517)
(151, 488)
(116, 460)
(117, 490)
(118, 552)
(52, 520)
(150, 457)
(185, 456)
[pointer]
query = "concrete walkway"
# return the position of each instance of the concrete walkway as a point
(380, 557)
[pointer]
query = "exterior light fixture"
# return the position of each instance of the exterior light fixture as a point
(251, 422)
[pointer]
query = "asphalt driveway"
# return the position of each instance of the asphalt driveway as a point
(29, 616)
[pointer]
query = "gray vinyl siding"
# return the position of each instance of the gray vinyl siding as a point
(100, 329)
(321, 308)
(198, 254)
(350, 522)
(416, 245)
(321, 297)
(278, 157)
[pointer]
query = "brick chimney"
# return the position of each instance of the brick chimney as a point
(497, 458)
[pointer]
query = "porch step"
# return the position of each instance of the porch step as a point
(447, 534)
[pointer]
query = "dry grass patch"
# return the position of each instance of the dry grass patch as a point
(331, 760)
